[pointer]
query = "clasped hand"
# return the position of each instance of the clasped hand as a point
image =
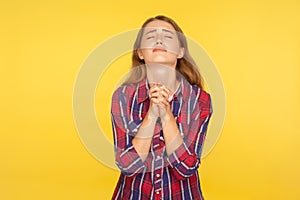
(159, 104)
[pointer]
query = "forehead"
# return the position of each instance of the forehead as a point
(159, 24)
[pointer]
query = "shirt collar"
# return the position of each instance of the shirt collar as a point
(183, 90)
(142, 89)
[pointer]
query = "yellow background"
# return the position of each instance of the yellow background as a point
(255, 45)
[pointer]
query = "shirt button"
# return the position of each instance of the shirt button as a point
(157, 192)
(157, 175)
(158, 157)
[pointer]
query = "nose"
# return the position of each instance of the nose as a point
(159, 39)
(159, 42)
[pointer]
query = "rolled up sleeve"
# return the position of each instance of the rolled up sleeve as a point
(185, 160)
(127, 158)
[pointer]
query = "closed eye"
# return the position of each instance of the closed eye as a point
(150, 37)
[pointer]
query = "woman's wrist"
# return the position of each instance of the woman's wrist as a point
(167, 118)
(149, 119)
(151, 116)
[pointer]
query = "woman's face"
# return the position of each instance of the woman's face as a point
(160, 44)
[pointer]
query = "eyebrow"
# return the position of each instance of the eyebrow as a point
(154, 30)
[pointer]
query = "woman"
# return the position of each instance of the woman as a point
(159, 126)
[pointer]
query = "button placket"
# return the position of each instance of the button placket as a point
(157, 174)
(158, 146)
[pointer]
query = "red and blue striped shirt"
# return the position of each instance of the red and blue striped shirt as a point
(160, 176)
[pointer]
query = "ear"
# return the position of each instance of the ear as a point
(181, 53)
(140, 54)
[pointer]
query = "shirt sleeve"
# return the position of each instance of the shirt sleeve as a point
(127, 158)
(185, 160)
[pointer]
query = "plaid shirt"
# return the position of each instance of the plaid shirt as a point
(160, 176)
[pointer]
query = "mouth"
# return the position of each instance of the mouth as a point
(159, 49)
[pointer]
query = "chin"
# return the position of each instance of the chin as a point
(163, 62)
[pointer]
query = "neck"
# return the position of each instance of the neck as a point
(157, 73)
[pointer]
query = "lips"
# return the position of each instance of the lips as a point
(159, 49)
